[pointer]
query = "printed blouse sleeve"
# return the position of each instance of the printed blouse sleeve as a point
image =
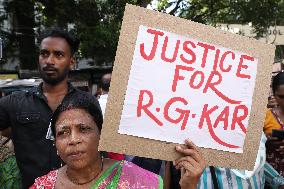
(4, 112)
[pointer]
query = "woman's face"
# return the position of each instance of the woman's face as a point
(77, 138)
(279, 96)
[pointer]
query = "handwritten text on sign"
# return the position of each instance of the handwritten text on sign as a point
(181, 88)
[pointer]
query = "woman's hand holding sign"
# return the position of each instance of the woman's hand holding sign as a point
(191, 165)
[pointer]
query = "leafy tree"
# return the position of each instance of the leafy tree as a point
(22, 35)
(261, 14)
(98, 22)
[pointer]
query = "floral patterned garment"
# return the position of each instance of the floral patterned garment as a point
(10, 176)
(121, 175)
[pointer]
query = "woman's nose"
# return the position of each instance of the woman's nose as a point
(74, 138)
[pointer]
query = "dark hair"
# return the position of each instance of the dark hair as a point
(85, 102)
(105, 85)
(277, 81)
(58, 32)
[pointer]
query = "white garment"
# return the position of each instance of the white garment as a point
(103, 102)
(239, 179)
(259, 163)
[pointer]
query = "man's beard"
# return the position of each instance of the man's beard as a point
(54, 80)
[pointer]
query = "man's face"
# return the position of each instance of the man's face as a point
(55, 60)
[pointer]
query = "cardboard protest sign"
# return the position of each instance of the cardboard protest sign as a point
(175, 79)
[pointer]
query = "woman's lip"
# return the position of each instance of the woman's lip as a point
(76, 154)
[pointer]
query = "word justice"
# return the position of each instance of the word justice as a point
(220, 64)
(145, 106)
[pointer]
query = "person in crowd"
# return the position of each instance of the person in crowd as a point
(104, 89)
(275, 116)
(272, 103)
(105, 84)
(28, 114)
(76, 126)
(9, 172)
(274, 125)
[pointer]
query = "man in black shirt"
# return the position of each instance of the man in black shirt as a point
(28, 114)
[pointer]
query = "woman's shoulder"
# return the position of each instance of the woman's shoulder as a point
(47, 181)
(133, 167)
(271, 113)
(140, 176)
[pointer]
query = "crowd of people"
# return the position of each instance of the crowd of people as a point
(55, 130)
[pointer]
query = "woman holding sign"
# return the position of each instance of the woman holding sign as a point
(77, 126)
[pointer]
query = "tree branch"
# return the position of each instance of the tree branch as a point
(176, 8)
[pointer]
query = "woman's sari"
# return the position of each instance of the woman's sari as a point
(9, 171)
(274, 151)
(272, 121)
(121, 175)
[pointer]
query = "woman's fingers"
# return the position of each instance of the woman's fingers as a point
(188, 153)
(188, 159)
(190, 150)
(191, 156)
(191, 164)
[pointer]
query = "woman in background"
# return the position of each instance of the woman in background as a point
(274, 119)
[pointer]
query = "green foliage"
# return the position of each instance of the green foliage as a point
(261, 13)
(98, 22)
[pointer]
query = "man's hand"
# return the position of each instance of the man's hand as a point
(191, 165)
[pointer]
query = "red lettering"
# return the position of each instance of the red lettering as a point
(178, 77)
(154, 47)
(206, 48)
(224, 116)
(192, 79)
(239, 119)
(145, 107)
(216, 59)
(206, 115)
(184, 114)
(210, 84)
(164, 49)
(241, 65)
(189, 51)
(222, 61)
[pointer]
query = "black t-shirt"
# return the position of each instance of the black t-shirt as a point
(29, 116)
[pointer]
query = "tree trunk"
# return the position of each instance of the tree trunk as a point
(24, 27)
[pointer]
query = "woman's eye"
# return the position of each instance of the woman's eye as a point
(60, 133)
(85, 129)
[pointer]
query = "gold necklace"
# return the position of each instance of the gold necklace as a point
(74, 181)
